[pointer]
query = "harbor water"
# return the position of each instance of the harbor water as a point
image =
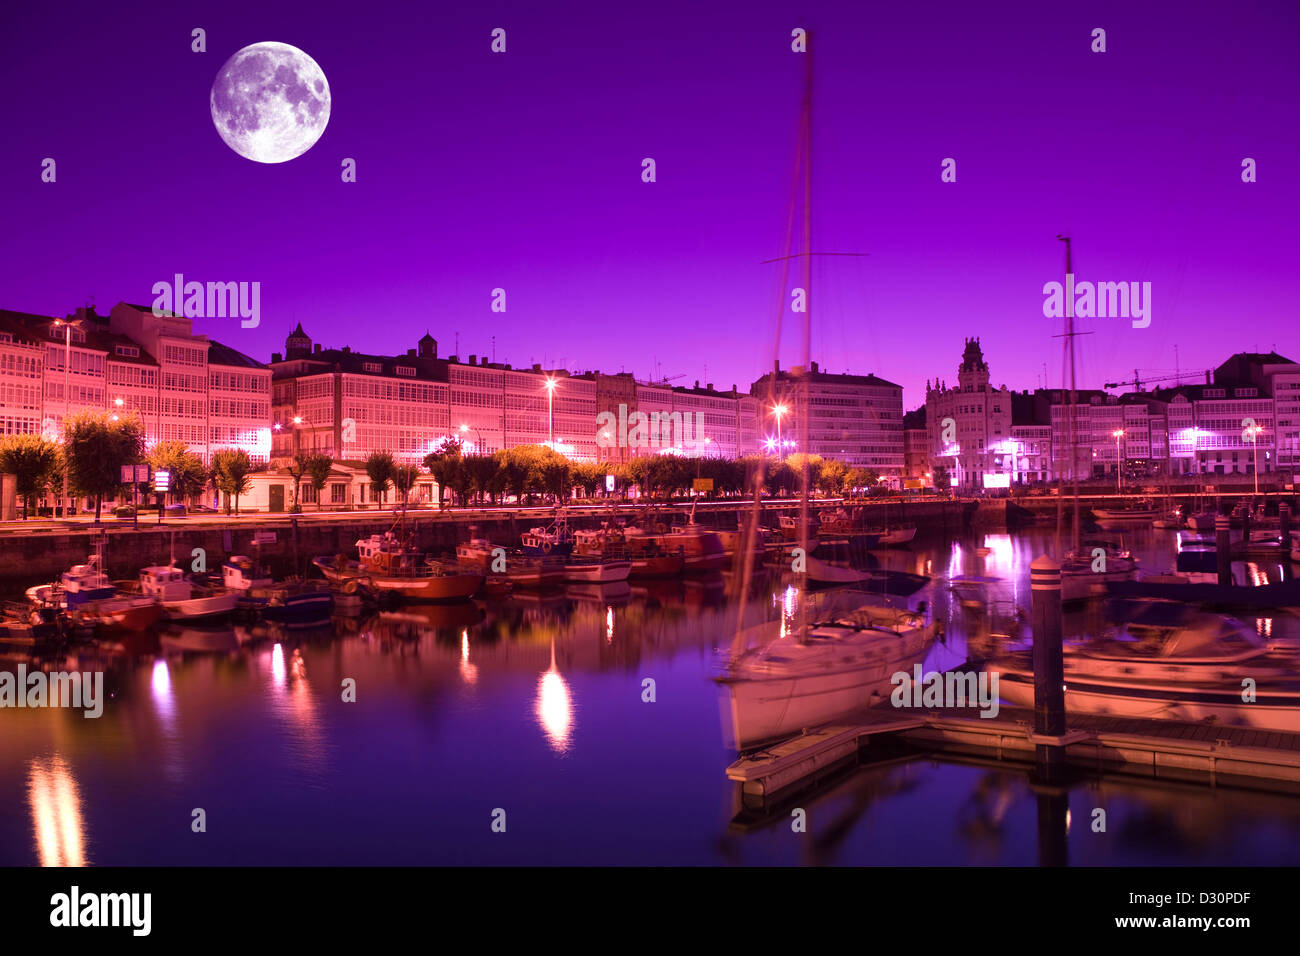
(578, 728)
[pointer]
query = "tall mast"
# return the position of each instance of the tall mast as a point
(1072, 427)
(805, 405)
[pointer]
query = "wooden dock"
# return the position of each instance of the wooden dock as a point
(1164, 749)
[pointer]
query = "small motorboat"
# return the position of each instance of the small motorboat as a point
(1170, 520)
(1085, 573)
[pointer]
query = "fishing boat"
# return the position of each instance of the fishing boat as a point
(1171, 662)
(181, 598)
(389, 563)
(522, 570)
(90, 598)
(557, 538)
(290, 600)
(701, 550)
(794, 680)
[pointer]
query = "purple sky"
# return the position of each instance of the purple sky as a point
(523, 171)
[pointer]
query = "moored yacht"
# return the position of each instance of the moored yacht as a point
(794, 681)
(1171, 662)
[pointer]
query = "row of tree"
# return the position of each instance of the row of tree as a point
(529, 471)
(96, 446)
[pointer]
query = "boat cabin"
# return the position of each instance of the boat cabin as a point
(241, 573)
(165, 583)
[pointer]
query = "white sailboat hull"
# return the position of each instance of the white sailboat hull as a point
(759, 708)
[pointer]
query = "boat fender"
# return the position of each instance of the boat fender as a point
(546, 547)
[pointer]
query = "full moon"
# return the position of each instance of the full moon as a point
(270, 102)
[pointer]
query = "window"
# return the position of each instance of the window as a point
(375, 367)
(338, 493)
(404, 370)
(129, 351)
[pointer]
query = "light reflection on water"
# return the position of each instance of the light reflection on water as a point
(57, 826)
(534, 703)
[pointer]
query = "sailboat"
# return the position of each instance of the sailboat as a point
(783, 676)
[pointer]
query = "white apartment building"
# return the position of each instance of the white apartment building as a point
(857, 419)
(201, 392)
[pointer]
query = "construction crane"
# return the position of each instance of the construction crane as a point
(661, 381)
(1138, 380)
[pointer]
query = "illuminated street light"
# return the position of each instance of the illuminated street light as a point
(1119, 462)
(779, 410)
(465, 429)
(550, 384)
(1254, 431)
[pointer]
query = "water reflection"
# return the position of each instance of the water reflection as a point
(292, 701)
(57, 823)
(468, 671)
(555, 707)
(470, 693)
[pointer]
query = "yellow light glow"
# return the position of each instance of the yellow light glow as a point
(555, 707)
(57, 821)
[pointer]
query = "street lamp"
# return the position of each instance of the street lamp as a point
(465, 428)
(1254, 440)
(699, 459)
(297, 436)
(1119, 462)
(550, 409)
(778, 410)
(67, 325)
